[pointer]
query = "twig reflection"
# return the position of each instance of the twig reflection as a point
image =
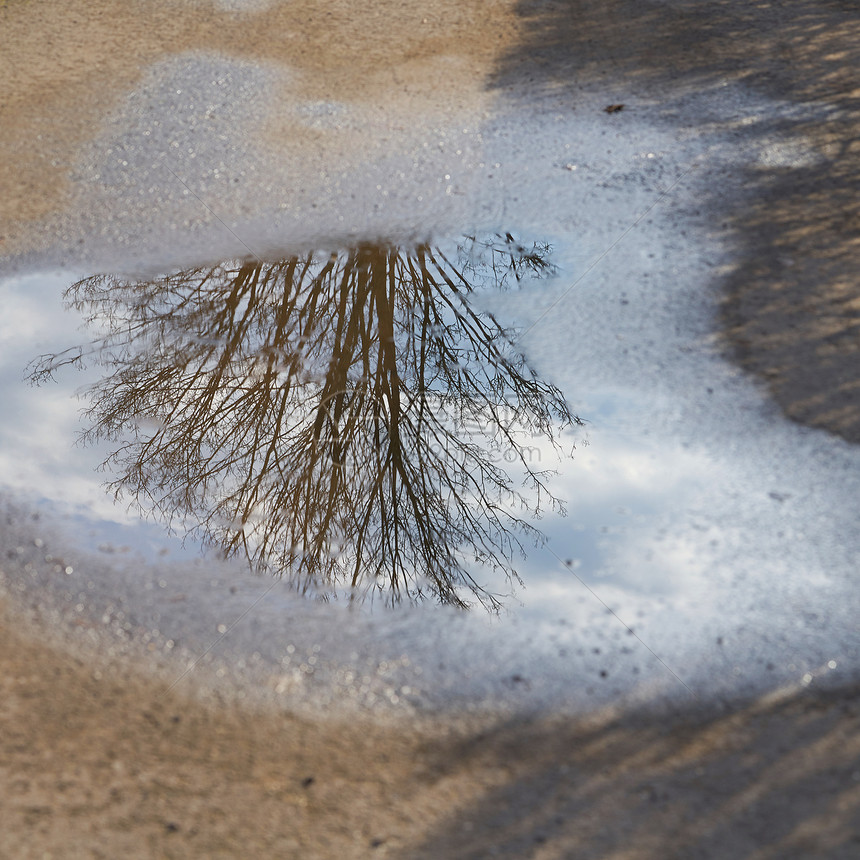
(344, 420)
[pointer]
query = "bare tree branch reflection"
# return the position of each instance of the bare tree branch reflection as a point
(344, 420)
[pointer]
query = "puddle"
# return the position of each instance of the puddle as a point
(383, 422)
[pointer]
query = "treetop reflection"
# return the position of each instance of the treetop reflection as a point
(346, 420)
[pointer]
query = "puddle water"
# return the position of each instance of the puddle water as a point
(409, 424)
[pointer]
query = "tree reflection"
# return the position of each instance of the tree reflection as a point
(345, 420)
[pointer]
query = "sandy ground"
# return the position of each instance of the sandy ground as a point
(108, 762)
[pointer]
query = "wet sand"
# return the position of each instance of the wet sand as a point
(117, 765)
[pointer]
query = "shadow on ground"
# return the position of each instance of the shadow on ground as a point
(137, 767)
(779, 778)
(791, 308)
